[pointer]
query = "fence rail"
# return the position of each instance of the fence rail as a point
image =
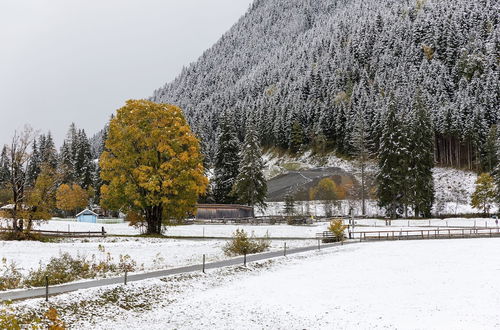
(62, 233)
(425, 233)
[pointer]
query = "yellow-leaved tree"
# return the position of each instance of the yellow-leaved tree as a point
(71, 198)
(152, 164)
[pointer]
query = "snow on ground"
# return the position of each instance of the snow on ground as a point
(404, 285)
(158, 253)
(149, 253)
(436, 284)
(198, 230)
(274, 231)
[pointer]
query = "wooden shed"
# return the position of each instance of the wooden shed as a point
(87, 216)
(223, 211)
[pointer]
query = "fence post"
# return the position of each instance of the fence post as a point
(319, 246)
(203, 270)
(103, 232)
(46, 288)
(125, 278)
(284, 251)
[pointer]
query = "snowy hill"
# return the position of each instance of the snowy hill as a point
(322, 63)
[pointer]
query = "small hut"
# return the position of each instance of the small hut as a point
(223, 211)
(87, 216)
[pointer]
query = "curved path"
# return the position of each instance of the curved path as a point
(40, 292)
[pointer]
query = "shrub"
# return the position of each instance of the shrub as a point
(10, 276)
(241, 244)
(11, 320)
(66, 268)
(52, 318)
(62, 269)
(337, 227)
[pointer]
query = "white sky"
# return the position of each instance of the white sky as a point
(64, 61)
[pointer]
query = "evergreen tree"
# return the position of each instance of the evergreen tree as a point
(496, 174)
(359, 141)
(4, 168)
(227, 160)
(34, 166)
(66, 168)
(48, 153)
(250, 186)
(421, 160)
(489, 152)
(289, 208)
(83, 163)
(296, 137)
(393, 166)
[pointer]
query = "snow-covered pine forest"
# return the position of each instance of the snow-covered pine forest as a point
(310, 68)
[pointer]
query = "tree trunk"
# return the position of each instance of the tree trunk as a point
(154, 217)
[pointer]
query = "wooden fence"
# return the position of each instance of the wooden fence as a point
(61, 233)
(425, 234)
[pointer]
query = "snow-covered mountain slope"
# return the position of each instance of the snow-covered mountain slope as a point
(320, 63)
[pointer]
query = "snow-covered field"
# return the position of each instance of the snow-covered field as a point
(274, 231)
(443, 284)
(148, 253)
(157, 253)
(198, 230)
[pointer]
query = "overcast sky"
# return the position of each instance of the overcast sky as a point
(64, 61)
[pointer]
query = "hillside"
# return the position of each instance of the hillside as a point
(314, 68)
(453, 187)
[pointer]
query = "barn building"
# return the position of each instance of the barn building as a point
(223, 211)
(87, 216)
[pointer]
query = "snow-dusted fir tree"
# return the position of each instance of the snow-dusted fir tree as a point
(83, 162)
(393, 164)
(489, 158)
(289, 207)
(421, 160)
(47, 149)
(359, 142)
(4, 168)
(227, 162)
(250, 187)
(65, 165)
(496, 173)
(34, 165)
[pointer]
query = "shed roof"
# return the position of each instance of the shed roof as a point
(87, 212)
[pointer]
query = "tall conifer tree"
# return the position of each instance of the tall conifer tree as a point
(250, 187)
(421, 146)
(227, 160)
(392, 158)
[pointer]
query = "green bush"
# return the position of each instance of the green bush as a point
(241, 244)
